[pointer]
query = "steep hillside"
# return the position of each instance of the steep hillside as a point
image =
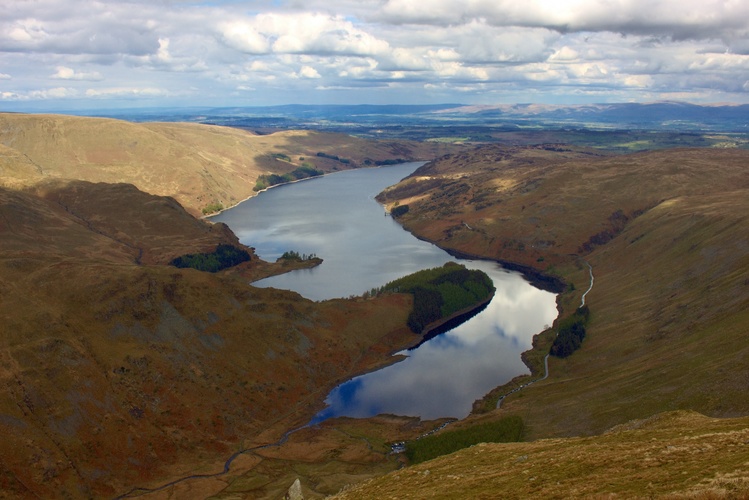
(119, 371)
(666, 236)
(198, 165)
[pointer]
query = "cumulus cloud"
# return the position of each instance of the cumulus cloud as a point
(65, 73)
(305, 33)
(308, 72)
(36, 95)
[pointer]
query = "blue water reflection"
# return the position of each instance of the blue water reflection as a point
(443, 377)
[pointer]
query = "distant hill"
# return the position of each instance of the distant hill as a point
(660, 116)
(198, 165)
(653, 116)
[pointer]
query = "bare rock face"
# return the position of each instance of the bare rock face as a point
(295, 491)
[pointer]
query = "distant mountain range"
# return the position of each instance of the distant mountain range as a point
(672, 115)
(669, 115)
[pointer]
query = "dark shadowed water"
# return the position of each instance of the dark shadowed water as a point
(337, 218)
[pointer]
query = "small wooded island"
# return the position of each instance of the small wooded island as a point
(441, 292)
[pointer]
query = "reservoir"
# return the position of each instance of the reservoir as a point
(336, 217)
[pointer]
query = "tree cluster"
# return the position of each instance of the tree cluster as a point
(303, 172)
(571, 333)
(213, 207)
(439, 292)
(506, 430)
(294, 255)
(399, 211)
(223, 257)
(345, 161)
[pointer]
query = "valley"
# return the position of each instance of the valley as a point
(122, 373)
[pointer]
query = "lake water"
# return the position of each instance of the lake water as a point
(336, 218)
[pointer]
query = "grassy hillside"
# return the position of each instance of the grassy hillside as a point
(666, 235)
(201, 166)
(675, 455)
(119, 370)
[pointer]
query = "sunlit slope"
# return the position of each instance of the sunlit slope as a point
(673, 455)
(667, 235)
(196, 164)
(120, 371)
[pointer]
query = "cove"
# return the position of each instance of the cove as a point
(336, 218)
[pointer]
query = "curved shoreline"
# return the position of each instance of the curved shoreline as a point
(535, 277)
(255, 193)
(448, 323)
(546, 358)
(430, 331)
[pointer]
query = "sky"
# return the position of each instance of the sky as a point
(69, 54)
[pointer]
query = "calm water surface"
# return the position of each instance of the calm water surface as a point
(337, 218)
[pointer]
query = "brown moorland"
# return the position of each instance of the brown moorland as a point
(667, 236)
(120, 371)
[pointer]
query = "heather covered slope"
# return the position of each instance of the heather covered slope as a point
(666, 235)
(198, 165)
(119, 371)
(672, 455)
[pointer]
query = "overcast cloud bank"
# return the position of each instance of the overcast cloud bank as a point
(225, 52)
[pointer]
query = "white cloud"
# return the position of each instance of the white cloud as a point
(565, 54)
(308, 72)
(127, 92)
(299, 33)
(641, 81)
(242, 36)
(34, 95)
(3, 76)
(65, 73)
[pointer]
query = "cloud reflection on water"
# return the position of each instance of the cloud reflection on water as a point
(443, 377)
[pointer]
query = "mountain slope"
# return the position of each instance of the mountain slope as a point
(119, 371)
(198, 165)
(666, 236)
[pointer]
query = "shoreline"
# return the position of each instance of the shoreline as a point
(255, 193)
(448, 323)
(535, 277)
